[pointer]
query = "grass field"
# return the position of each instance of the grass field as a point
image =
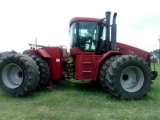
(81, 101)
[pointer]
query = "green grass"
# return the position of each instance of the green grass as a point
(81, 101)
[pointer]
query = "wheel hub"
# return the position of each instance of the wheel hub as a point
(125, 77)
(20, 74)
(132, 79)
(12, 75)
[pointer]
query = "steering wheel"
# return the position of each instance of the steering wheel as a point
(89, 42)
(86, 40)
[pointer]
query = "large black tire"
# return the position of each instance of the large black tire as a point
(103, 71)
(18, 75)
(129, 77)
(44, 71)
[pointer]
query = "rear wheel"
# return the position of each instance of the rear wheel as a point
(44, 71)
(18, 75)
(129, 77)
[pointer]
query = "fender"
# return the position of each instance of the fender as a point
(41, 52)
(44, 53)
(106, 55)
(54, 57)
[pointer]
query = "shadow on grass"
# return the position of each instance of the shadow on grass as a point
(89, 88)
(80, 85)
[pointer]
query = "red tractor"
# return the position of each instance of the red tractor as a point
(121, 69)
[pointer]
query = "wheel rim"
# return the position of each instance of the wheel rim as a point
(12, 75)
(132, 79)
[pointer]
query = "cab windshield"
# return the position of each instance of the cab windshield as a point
(88, 35)
(84, 35)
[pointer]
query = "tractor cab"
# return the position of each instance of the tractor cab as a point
(84, 34)
(91, 34)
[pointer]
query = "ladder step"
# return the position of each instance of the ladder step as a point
(87, 71)
(86, 63)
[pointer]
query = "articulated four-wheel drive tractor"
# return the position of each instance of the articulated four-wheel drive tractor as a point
(123, 70)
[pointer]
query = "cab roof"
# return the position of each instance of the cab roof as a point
(84, 19)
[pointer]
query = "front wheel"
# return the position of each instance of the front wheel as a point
(132, 79)
(129, 77)
(103, 71)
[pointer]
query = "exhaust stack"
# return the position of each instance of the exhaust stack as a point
(108, 14)
(111, 40)
(114, 33)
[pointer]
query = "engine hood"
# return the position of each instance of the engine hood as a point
(133, 50)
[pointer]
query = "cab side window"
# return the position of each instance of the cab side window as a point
(88, 35)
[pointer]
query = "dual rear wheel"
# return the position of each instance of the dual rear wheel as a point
(125, 76)
(22, 74)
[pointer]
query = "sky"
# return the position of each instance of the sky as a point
(22, 21)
